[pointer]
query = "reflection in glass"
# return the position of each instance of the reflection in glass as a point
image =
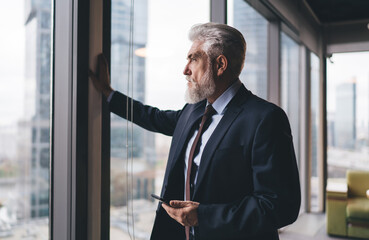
(159, 54)
(290, 85)
(25, 128)
(254, 28)
(347, 113)
(315, 128)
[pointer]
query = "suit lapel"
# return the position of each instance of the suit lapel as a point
(196, 113)
(234, 108)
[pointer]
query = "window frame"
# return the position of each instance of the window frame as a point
(69, 138)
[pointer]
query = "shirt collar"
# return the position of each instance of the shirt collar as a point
(222, 101)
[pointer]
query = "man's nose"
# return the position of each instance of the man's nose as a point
(186, 70)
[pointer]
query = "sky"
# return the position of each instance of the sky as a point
(12, 48)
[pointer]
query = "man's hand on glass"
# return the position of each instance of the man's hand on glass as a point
(184, 212)
(101, 78)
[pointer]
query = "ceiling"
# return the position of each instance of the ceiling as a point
(334, 11)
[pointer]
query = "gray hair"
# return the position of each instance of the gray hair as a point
(221, 39)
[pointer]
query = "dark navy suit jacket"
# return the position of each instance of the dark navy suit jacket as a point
(248, 182)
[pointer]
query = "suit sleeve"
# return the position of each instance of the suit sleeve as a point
(275, 200)
(147, 117)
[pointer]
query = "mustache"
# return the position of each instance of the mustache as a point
(188, 78)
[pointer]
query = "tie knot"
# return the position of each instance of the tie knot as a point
(209, 111)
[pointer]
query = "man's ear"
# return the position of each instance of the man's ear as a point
(221, 64)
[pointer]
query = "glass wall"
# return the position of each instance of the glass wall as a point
(290, 86)
(25, 119)
(347, 113)
(315, 194)
(138, 157)
(254, 28)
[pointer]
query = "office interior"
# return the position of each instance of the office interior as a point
(71, 170)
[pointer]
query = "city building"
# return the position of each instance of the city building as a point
(345, 116)
(331, 138)
(35, 128)
(129, 78)
(255, 29)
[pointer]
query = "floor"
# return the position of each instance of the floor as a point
(307, 227)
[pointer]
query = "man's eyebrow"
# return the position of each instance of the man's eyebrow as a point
(195, 55)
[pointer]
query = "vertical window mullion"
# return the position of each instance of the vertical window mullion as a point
(218, 11)
(105, 137)
(304, 128)
(274, 75)
(94, 200)
(62, 121)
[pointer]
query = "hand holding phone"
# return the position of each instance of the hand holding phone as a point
(166, 201)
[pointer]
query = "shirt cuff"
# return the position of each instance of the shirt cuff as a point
(110, 96)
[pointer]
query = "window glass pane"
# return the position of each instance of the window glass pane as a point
(314, 124)
(45, 135)
(254, 28)
(44, 108)
(44, 61)
(159, 55)
(347, 113)
(25, 119)
(290, 85)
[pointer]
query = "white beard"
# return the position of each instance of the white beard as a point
(202, 89)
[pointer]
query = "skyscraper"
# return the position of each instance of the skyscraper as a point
(130, 79)
(345, 117)
(331, 138)
(254, 28)
(120, 71)
(34, 148)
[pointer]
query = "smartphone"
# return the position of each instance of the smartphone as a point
(160, 199)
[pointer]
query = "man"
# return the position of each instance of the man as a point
(232, 176)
